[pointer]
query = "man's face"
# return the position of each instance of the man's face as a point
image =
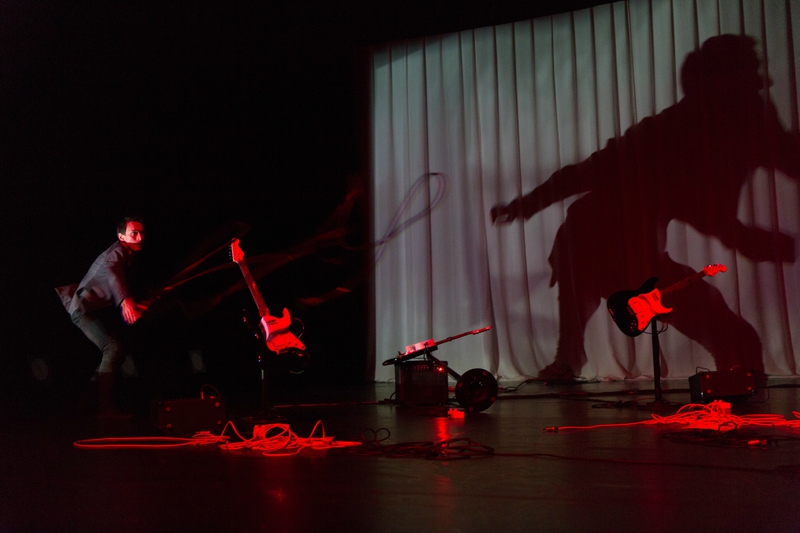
(133, 236)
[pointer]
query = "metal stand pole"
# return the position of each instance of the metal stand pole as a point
(265, 408)
(656, 362)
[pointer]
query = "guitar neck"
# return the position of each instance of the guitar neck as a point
(684, 282)
(251, 284)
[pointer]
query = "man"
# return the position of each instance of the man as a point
(102, 301)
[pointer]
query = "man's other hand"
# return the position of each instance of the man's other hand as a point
(131, 311)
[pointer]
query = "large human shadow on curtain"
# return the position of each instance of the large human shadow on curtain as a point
(687, 163)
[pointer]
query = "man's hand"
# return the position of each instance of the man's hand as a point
(505, 213)
(131, 311)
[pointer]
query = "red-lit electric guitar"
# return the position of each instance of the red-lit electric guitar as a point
(632, 311)
(275, 330)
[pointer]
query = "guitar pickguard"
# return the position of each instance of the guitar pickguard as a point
(646, 306)
(276, 331)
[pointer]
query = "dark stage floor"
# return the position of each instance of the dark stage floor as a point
(619, 479)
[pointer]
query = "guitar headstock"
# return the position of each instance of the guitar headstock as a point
(713, 270)
(237, 255)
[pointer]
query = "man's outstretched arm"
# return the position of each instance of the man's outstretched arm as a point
(563, 183)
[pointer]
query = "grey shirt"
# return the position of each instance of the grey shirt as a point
(105, 284)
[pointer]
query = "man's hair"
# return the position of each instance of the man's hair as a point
(122, 227)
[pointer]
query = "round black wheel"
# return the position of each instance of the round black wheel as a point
(295, 361)
(476, 390)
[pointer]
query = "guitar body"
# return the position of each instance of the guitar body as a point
(632, 311)
(276, 332)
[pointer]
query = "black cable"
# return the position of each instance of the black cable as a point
(444, 450)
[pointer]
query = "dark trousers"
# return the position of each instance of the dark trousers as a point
(104, 329)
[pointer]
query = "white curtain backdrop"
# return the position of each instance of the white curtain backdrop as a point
(465, 121)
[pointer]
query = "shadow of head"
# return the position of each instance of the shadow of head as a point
(726, 67)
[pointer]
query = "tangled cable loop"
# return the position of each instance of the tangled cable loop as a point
(715, 416)
(278, 440)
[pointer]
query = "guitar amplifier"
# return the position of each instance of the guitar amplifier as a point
(421, 382)
(187, 416)
(734, 384)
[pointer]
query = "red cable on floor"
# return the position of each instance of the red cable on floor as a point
(716, 416)
(274, 440)
(199, 439)
(277, 440)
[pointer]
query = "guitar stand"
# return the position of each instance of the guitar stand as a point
(659, 402)
(266, 414)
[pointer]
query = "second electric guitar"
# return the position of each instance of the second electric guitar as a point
(632, 311)
(275, 330)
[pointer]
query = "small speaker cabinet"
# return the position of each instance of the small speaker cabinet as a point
(730, 385)
(187, 416)
(421, 382)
